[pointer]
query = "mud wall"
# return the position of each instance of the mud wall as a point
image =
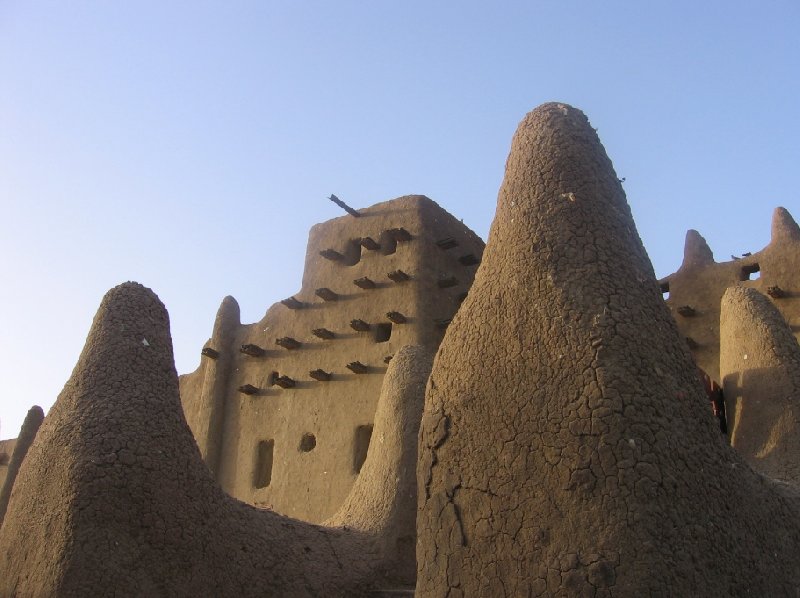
(278, 435)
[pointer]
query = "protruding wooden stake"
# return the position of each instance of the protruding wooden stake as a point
(357, 367)
(687, 311)
(364, 283)
(396, 317)
(331, 254)
(210, 353)
(398, 276)
(359, 325)
(252, 350)
(323, 333)
(287, 342)
(469, 260)
(247, 389)
(293, 303)
(447, 243)
(326, 294)
(285, 382)
(776, 292)
(320, 375)
(369, 243)
(344, 206)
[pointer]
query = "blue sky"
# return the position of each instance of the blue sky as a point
(190, 145)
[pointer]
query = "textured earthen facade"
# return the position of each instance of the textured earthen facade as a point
(274, 435)
(760, 370)
(696, 289)
(602, 472)
(560, 442)
(114, 498)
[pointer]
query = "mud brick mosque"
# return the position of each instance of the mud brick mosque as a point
(431, 416)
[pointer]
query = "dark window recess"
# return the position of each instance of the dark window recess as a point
(388, 243)
(262, 475)
(361, 446)
(308, 442)
(665, 289)
(400, 235)
(447, 243)
(750, 272)
(352, 253)
(383, 332)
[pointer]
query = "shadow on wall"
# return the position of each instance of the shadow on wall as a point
(763, 420)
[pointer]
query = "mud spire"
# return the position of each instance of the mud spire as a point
(696, 251)
(760, 370)
(26, 435)
(566, 444)
(114, 496)
(784, 227)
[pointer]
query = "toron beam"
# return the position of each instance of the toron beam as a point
(323, 333)
(359, 325)
(320, 375)
(357, 367)
(326, 294)
(287, 342)
(252, 350)
(344, 206)
(210, 353)
(364, 283)
(396, 317)
(293, 303)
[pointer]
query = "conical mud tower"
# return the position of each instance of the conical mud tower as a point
(566, 446)
(760, 369)
(114, 498)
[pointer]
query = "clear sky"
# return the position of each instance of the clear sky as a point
(191, 145)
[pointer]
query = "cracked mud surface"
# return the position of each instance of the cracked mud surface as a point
(566, 447)
(114, 499)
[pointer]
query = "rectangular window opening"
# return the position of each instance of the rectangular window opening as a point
(361, 446)
(263, 472)
(750, 272)
(383, 332)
